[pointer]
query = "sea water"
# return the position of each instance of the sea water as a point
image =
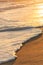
(15, 29)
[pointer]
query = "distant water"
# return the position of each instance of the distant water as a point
(18, 14)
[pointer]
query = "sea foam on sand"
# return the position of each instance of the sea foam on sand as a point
(11, 41)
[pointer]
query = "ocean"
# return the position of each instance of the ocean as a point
(18, 24)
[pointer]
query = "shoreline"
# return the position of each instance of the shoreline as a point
(20, 53)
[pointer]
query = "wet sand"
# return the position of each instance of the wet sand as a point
(30, 54)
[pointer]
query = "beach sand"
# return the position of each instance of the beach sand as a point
(30, 54)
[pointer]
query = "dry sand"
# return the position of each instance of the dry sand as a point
(30, 54)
